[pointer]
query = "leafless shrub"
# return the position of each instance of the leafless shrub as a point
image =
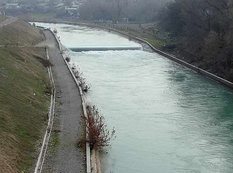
(67, 59)
(73, 68)
(77, 74)
(82, 80)
(97, 133)
(83, 85)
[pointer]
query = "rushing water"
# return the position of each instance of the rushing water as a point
(168, 119)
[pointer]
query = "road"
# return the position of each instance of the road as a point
(67, 158)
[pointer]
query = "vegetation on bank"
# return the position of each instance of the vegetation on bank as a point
(24, 100)
(203, 31)
(98, 135)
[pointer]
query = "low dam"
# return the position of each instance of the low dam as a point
(168, 119)
(82, 49)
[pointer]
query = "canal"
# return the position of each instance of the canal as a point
(167, 118)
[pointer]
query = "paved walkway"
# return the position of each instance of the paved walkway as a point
(67, 158)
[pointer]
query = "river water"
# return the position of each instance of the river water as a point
(167, 118)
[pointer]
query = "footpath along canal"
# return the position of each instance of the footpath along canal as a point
(167, 118)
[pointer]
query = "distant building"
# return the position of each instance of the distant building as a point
(73, 8)
(71, 11)
(12, 6)
(60, 5)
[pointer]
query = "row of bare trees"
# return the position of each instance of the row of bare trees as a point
(204, 31)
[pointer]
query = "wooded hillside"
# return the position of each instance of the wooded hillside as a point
(203, 33)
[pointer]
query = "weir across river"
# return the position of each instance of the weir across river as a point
(82, 49)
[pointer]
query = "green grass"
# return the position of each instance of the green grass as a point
(157, 43)
(23, 102)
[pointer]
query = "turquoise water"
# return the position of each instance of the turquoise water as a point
(167, 118)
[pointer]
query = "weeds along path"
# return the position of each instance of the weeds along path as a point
(66, 156)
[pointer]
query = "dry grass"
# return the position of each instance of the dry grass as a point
(20, 33)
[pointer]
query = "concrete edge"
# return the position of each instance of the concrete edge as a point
(44, 147)
(88, 149)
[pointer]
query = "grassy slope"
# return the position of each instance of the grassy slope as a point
(23, 102)
(19, 33)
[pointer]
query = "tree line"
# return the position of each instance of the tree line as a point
(115, 10)
(203, 33)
